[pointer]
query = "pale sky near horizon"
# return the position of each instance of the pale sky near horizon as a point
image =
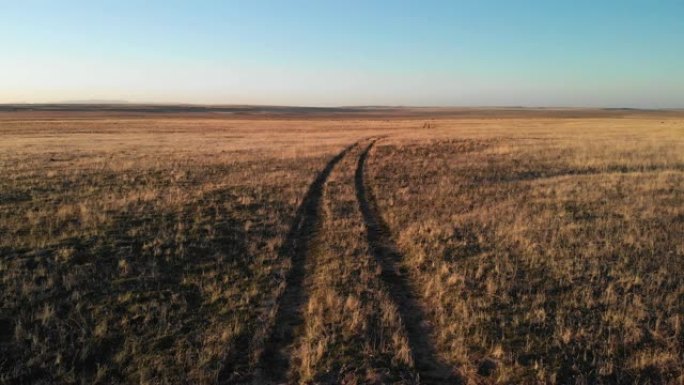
(580, 53)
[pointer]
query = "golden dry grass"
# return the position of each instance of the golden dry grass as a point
(552, 252)
(161, 250)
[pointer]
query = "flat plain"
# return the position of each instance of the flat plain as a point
(202, 245)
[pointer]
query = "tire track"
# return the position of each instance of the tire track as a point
(274, 362)
(430, 369)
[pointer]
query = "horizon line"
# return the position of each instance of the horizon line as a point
(369, 106)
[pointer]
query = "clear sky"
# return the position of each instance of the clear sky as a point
(611, 53)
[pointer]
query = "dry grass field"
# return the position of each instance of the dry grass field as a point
(359, 247)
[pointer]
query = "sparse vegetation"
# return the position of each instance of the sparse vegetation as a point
(552, 255)
(166, 250)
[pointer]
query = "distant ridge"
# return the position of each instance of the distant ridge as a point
(94, 108)
(94, 101)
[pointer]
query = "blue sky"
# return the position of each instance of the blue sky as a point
(375, 52)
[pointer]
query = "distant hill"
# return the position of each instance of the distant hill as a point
(122, 108)
(94, 101)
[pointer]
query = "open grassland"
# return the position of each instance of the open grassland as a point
(468, 249)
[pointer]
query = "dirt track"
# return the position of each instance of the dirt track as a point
(303, 244)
